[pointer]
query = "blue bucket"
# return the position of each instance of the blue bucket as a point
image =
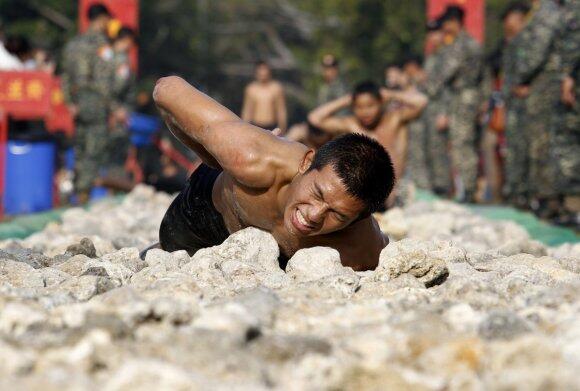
(29, 176)
(143, 129)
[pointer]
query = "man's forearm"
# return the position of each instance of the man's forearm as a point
(191, 109)
(411, 98)
(328, 109)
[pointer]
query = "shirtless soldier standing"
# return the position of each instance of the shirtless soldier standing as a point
(251, 177)
(264, 102)
(370, 117)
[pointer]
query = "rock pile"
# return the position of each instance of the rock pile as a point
(458, 302)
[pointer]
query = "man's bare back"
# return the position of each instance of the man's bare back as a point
(268, 182)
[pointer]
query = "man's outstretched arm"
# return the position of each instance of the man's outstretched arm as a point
(324, 119)
(243, 150)
(414, 102)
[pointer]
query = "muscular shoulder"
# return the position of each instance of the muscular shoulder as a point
(251, 88)
(277, 86)
(285, 159)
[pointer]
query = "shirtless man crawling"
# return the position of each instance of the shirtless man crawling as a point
(264, 101)
(252, 178)
(371, 117)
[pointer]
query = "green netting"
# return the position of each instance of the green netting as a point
(538, 229)
(22, 226)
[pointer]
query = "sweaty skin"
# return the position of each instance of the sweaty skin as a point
(370, 118)
(265, 181)
(265, 104)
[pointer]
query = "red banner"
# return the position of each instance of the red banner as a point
(25, 95)
(59, 118)
(474, 14)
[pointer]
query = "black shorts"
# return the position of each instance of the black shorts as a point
(192, 222)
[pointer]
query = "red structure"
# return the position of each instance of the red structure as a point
(23, 96)
(474, 14)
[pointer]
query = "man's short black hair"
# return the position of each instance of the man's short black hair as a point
(519, 7)
(126, 32)
(259, 63)
(97, 10)
(367, 87)
(413, 58)
(363, 166)
(454, 12)
(329, 61)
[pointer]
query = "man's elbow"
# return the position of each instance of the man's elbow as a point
(163, 86)
(313, 120)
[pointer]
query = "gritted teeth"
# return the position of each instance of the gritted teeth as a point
(301, 219)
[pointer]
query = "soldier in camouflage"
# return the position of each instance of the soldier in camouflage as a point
(517, 138)
(417, 166)
(536, 76)
(123, 94)
(565, 148)
(461, 73)
(86, 84)
(436, 135)
(333, 86)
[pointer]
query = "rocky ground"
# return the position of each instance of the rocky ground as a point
(457, 303)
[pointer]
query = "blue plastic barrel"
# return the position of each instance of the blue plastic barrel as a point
(29, 176)
(143, 129)
(98, 193)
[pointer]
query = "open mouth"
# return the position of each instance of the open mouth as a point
(300, 223)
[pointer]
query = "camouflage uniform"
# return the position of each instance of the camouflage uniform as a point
(565, 149)
(537, 66)
(124, 93)
(328, 92)
(517, 138)
(87, 83)
(416, 165)
(437, 158)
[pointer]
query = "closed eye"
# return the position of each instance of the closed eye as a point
(340, 217)
(318, 192)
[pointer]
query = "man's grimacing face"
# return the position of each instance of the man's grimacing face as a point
(318, 203)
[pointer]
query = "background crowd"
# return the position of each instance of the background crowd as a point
(476, 127)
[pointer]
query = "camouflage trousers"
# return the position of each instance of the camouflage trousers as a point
(517, 152)
(541, 109)
(464, 157)
(119, 142)
(91, 153)
(565, 151)
(416, 167)
(437, 156)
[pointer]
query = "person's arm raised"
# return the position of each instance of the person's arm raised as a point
(245, 151)
(414, 101)
(322, 117)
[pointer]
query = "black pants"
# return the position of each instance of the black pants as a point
(192, 222)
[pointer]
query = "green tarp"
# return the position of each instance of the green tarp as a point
(22, 226)
(539, 230)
